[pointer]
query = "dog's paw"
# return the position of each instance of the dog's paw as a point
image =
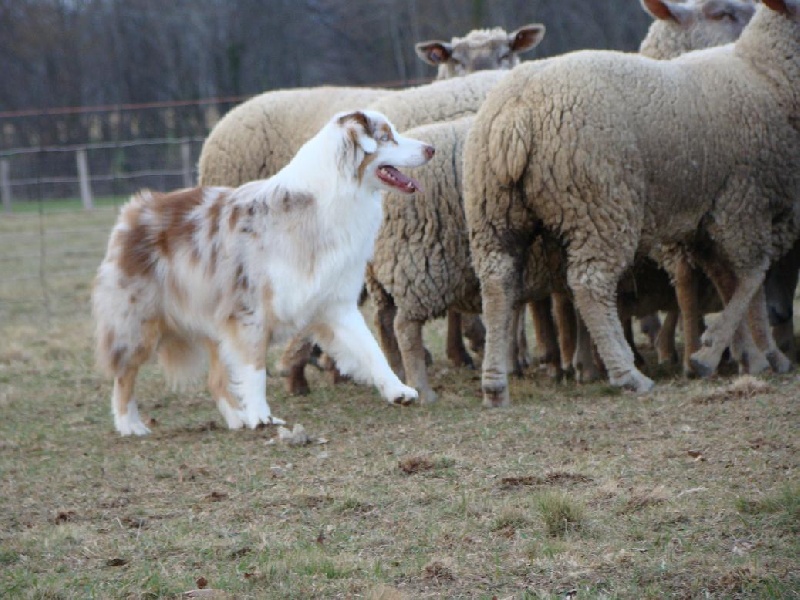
(127, 426)
(403, 395)
(273, 420)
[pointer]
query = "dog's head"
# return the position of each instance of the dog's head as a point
(373, 151)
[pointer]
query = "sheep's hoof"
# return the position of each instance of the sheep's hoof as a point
(427, 397)
(753, 363)
(297, 384)
(702, 365)
(635, 382)
(495, 397)
(779, 362)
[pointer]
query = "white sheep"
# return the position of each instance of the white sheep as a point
(422, 266)
(618, 154)
(479, 50)
(258, 137)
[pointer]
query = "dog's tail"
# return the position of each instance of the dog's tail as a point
(183, 359)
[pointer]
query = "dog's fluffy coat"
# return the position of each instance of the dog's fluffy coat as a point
(223, 272)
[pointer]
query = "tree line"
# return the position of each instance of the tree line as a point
(71, 53)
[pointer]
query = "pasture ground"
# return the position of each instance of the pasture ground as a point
(573, 492)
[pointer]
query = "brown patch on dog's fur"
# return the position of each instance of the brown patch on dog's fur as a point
(136, 250)
(233, 218)
(360, 118)
(140, 242)
(366, 162)
(214, 214)
(291, 201)
(177, 227)
(388, 131)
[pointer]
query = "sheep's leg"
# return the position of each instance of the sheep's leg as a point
(583, 359)
(384, 323)
(292, 365)
(474, 331)
(762, 334)
(544, 327)
(686, 294)
(344, 334)
(597, 306)
(650, 325)
(499, 293)
(627, 327)
(665, 340)
(723, 331)
(743, 348)
(456, 351)
(522, 358)
(409, 338)
(565, 322)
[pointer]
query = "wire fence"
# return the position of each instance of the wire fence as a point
(59, 204)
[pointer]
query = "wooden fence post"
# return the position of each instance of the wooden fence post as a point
(83, 176)
(5, 184)
(186, 161)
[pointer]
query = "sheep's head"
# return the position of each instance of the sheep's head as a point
(480, 50)
(372, 149)
(684, 26)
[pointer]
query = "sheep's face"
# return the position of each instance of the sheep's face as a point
(374, 150)
(480, 50)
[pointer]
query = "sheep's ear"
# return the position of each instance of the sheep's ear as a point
(664, 10)
(526, 37)
(360, 130)
(434, 52)
(786, 7)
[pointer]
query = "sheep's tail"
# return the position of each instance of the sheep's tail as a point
(509, 145)
(183, 359)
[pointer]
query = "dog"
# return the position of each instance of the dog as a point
(213, 275)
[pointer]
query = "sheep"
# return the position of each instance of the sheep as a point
(618, 154)
(258, 137)
(422, 266)
(479, 50)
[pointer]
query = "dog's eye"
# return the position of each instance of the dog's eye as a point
(384, 137)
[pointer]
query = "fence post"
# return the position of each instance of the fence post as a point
(83, 176)
(186, 161)
(5, 184)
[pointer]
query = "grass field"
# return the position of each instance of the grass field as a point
(573, 492)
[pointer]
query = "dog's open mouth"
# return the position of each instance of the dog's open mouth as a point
(400, 181)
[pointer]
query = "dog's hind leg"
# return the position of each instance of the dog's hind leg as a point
(345, 336)
(219, 385)
(126, 413)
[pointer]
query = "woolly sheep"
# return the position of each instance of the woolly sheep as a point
(479, 50)
(258, 137)
(422, 267)
(617, 154)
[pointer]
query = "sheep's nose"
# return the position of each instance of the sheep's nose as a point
(429, 151)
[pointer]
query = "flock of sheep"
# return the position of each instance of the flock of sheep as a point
(620, 184)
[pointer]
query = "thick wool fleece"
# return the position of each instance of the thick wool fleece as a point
(617, 154)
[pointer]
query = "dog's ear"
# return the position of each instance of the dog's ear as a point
(360, 129)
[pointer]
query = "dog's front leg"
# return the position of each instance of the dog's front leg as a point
(345, 336)
(248, 381)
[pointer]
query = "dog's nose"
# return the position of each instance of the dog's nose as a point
(429, 151)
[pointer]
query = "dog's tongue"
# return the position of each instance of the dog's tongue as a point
(400, 181)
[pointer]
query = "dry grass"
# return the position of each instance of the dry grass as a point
(689, 492)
